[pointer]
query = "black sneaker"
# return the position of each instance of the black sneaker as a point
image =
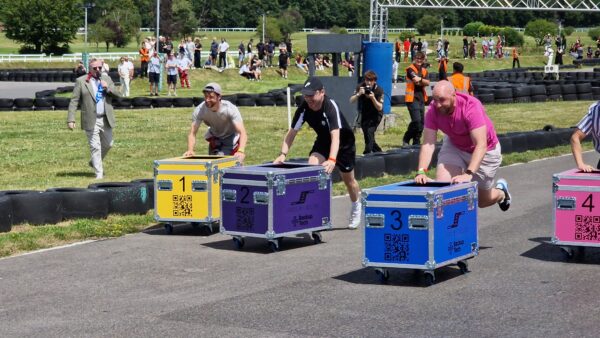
(505, 203)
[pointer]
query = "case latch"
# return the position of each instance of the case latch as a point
(323, 180)
(471, 198)
(216, 173)
(280, 184)
(439, 206)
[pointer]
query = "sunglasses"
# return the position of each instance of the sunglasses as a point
(97, 68)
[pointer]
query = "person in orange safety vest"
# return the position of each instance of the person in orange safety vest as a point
(417, 80)
(461, 83)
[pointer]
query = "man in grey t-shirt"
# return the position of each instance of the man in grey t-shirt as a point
(226, 134)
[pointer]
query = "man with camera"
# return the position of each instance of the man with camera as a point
(370, 104)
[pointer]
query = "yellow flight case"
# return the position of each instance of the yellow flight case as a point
(188, 190)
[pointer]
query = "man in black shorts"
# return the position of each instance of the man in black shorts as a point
(284, 61)
(334, 145)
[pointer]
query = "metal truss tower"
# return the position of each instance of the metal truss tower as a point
(379, 8)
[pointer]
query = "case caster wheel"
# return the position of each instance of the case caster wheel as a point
(238, 242)
(169, 228)
(205, 230)
(463, 266)
(317, 237)
(568, 252)
(274, 245)
(429, 278)
(383, 275)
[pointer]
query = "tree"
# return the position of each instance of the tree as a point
(538, 29)
(123, 22)
(184, 22)
(290, 21)
(272, 29)
(472, 28)
(594, 33)
(428, 24)
(52, 23)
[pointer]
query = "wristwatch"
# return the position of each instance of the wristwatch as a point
(469, 172)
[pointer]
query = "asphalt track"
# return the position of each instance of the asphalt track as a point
(14, 90)
(180, 285)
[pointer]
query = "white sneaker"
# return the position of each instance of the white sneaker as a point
(355, 215)
(99, 176)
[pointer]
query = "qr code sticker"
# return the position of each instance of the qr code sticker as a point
(182, 205)
(396, 247)
(245, 217)
(587, 228)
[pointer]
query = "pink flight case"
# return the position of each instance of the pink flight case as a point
(576, 197)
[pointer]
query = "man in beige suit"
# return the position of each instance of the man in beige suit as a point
(95, 92)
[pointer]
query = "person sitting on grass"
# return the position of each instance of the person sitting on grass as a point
(301, 63)
(246, 72)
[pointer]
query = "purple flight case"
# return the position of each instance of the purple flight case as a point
(275, 200)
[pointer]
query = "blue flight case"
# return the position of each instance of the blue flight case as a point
(422, 227)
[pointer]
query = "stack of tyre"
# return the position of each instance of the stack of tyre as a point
(58, 204)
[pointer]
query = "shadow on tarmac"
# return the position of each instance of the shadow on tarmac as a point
(400, 277)
(261, 246)
(548, 252)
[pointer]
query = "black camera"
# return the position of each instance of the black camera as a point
(368, 90)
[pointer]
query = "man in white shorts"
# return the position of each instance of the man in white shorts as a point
(470, 151)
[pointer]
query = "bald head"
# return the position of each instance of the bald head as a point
(444, 96)
(443, 88)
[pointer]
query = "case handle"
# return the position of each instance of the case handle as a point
(565, 203)
(165, 185)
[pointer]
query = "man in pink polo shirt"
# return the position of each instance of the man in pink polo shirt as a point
(470, 151)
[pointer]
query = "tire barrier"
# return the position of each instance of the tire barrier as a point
(369, 166)
(35, 207)
(121, 103)
(61, 103)
(246, 102)
(6, 104)
(569, 97)
(183, 102)
(397, 100)
(197, 100)
(486, 98)
(397, 162)
(6, 214)
(149, 182)
(231, 98)
(46, 93)
(505, 144)
(23, 104)
(44, 103)
(82, 203)
(162, 102)
(141, 102)
(124, 197)
(519, 142)
(265, 101)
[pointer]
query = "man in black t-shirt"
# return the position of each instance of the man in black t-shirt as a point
(370, 103)
(334, 146)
